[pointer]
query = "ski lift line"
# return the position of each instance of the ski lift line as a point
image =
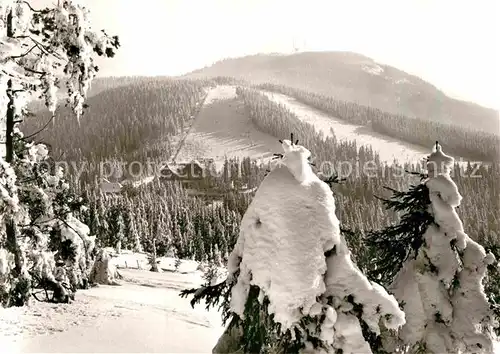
(196, 114)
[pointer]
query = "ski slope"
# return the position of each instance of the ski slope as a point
(222, 128)
(389, 149)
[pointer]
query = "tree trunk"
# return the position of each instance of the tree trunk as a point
(230, 341)
(12, 245)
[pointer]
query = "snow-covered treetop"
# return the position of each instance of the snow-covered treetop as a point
(284, 234)
(438, 162)
(296, 160)
(39, 46)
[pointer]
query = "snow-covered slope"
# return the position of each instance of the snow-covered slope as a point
(223, 129)
(389, 149)
(144, 314)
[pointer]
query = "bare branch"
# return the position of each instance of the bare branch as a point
(47, 51)
(24, 54)
(41, 46)
(43, 73)
(31, 8)
(24, 138)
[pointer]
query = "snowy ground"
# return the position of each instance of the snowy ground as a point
(223, 129)
(143, 314)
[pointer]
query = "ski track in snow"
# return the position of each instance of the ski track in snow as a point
(222, 128)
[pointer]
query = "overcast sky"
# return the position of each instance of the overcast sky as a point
(454, 44)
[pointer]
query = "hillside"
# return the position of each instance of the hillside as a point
(356, 78)
(130, 121)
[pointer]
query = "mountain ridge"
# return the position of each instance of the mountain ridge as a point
(357, 78)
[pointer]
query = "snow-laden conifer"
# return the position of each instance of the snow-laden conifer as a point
(292, 285)
(439, 273)
(39, 50)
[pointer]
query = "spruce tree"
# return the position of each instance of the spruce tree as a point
(39, 49)
(120, 231)
(49, 231)
(434, 269)
(133, 234)
(292, 285)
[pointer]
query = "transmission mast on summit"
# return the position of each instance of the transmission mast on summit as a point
(296, 47)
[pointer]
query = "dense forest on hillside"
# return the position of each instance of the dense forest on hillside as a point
(135, 121)
(361, 210)
(149, 207)
(139, 122)
(180, 225)
(461, 142)
(124, 124)
(126, 121)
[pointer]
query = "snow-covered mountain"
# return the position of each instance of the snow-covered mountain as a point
(356, 78)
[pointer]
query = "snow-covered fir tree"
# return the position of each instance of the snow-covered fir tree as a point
(134, 239)
(39, 48)
(120, 232)
(46, 228)
(292, 286)
(434, 269)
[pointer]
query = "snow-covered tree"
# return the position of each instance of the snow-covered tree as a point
(39, 48)
(120, 235)
(292, 285)
(134, 238)
(46, 228)
(152, 257)
(434, 269)
(42, 47)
